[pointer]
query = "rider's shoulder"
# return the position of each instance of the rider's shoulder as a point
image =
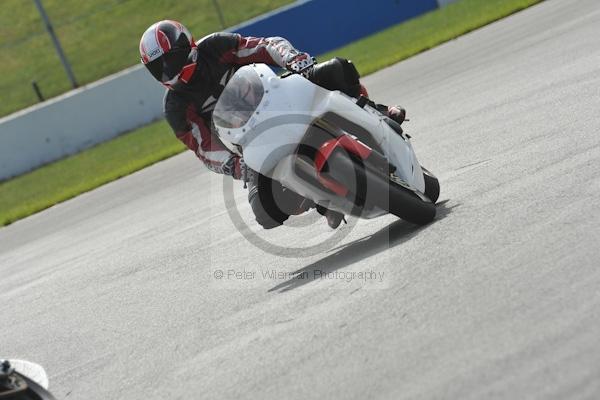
(218, 39)
(174, 101)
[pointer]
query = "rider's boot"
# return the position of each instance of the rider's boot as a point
(396, 113)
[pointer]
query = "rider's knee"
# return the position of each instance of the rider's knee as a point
(266, 212)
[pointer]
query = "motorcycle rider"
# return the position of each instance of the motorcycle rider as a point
(196, 72)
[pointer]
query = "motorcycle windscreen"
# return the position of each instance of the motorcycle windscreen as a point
(239, 99)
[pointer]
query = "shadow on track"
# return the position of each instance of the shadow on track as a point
(392, 235)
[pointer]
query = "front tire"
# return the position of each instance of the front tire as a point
(370, 187)
(432, 185)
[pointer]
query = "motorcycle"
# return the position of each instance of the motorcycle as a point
(23, 380)
(336, 150)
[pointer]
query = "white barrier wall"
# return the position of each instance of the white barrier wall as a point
(77, 120)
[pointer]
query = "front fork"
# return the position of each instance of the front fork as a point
(371, 159)
(351, 145)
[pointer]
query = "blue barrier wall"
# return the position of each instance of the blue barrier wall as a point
(317, 26)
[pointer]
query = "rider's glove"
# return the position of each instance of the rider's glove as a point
(300, 63)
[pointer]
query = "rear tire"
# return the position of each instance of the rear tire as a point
(369, 187)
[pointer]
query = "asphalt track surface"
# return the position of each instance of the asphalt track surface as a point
(115, 292)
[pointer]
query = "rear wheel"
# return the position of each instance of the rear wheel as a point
(370, 187)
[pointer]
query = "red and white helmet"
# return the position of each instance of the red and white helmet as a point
(166, 50)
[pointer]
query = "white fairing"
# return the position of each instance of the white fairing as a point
(33, 371)
(271, 127)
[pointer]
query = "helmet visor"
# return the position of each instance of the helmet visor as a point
(169, 65)
(174, 61)
(156, 68)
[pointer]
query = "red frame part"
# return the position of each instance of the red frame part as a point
(349, 144)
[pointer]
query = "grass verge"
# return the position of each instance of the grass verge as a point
(99, 37)
(64, 179)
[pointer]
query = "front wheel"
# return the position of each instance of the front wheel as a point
(432, 185)
(369, 187)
